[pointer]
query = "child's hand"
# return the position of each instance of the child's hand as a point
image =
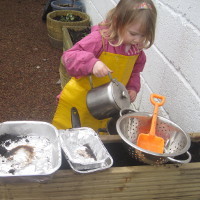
(132, 94)
(100, 69)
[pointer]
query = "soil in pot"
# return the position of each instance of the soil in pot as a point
(78, 35)
(68, 18)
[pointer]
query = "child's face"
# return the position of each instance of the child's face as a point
(133, 35)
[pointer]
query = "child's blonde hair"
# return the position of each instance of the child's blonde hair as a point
(125, 13)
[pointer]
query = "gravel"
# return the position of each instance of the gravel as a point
(28, 63)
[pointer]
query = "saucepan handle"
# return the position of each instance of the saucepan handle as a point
(126, 111)
(181, 161)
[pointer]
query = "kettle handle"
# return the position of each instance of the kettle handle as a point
(91, 82)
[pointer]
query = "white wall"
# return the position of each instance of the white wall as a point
(173, 62)
(97, 9)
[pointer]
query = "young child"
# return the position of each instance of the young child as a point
(115, 45)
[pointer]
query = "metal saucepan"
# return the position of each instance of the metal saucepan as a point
(107, 100)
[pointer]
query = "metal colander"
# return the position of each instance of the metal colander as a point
(177, 142)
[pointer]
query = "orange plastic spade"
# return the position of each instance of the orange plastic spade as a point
(150, 141)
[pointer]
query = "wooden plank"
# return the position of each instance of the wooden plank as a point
(110, 138)
(195, 137)
(138, 182)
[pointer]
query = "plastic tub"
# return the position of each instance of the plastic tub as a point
(59, 5)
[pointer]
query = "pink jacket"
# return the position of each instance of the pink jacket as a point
(80, 59)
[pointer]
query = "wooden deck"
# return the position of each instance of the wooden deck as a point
(145, 182)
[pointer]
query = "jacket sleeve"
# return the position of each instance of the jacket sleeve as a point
(80, 59)
(134, 81)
